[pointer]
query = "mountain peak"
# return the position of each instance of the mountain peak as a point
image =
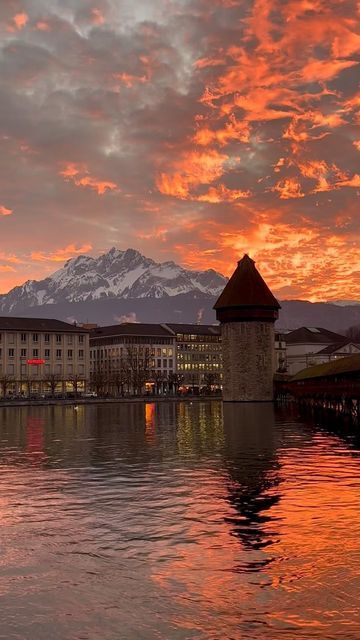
(115, 274)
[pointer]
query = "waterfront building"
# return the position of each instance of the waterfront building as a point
(133, 358)
(280, 361)
(42, 356)
(198, 355)
(310, 346)
(247, 311)
(157, 358)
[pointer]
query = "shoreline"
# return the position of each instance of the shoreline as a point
(93, 401)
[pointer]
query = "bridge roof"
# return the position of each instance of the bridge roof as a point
(341, 366)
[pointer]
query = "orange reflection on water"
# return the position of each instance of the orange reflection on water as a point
(273, 538)
(316, 556)
(150, 421)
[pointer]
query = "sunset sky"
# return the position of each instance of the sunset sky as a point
(191, 130)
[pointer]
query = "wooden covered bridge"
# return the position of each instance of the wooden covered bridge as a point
(333, 386)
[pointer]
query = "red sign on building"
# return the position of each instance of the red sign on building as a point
(36, 361)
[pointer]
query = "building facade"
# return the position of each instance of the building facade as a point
(198, 355)
(41, 356)
(310, 346)
(280, 361)
(132, 358)
(155, 358)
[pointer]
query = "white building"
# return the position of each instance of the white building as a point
(309, 346)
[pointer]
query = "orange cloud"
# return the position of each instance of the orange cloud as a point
(288, 188)
(9, 257)
(325, 69)
(97, 17)
(130, 80)
(298, 261)
(354, 181)
(4, 211)
(20, 20)
(61, 255)
(223, 194)
(192, 170)
(41, 25)
(6, 268)
(79, 174)
(233, 130)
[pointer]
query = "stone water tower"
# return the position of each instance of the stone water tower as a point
(247, 311)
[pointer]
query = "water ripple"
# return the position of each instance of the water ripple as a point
(177, 521)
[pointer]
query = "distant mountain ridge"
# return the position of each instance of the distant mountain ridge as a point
(116, 274)
(121, 286)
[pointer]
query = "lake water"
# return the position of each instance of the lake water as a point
(176, 521)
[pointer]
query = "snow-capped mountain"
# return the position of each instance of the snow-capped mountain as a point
(116, 274)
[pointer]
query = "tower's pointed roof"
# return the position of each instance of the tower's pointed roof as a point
(246, 288)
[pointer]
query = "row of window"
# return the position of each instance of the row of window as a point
(119, 351)
(37, 336)
(181, 337)
(99, 342)
(35, 353)
(116, 362)
(195, 366)
(197, 357)
(199, 347)
(58, 369)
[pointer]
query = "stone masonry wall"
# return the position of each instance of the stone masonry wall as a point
(248, 368)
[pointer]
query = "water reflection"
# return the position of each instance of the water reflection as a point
(176, 520)
(251, 441)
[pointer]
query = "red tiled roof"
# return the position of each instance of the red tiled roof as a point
(246, 288)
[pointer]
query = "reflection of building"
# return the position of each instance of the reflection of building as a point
(198, 354)
(247, 311)
(39, 355)
(309, 346)
(250, 446)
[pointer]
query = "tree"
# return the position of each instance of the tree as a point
(76, 380)
(175, 380)
(5, 382)
(137, 363)
(209, 380)
(119, 378)
(52, 380)
(98, 381)
(159, 378)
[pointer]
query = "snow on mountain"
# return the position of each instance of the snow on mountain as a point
(116, 274)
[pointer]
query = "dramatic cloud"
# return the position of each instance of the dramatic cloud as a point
(188, 129)
(61, 255)
(4, 211)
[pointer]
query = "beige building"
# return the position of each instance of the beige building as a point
(42, 356)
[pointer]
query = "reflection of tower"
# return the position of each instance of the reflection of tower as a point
(247, 311)
(250, 443)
